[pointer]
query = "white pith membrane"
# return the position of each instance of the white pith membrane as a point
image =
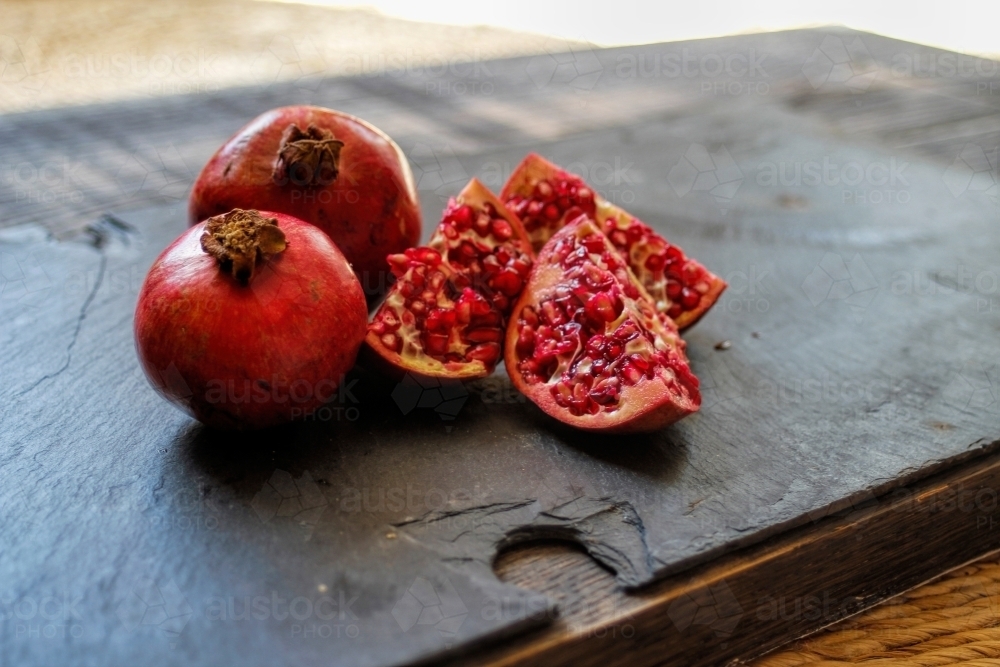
(447, 310)
(593, 333)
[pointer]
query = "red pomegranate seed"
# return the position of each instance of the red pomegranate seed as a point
(483, 335)
(594, 243)
(508, 282)
(392, 342)
(601, 308)
(488, 353)
(626, 332)
(596, 345)
(525, 341)
(501, 229)
(491, 265)
(693, 271)
(521, 267)
(630, 374)
(689, 298)
(462, 218)
(437, 343)
(467, 250)
(480, 306)
(427, 256)
(639, 362)
(398, 264)
(463, 311)
(390, 320)
(433, 321)
(482, 224)
(654, 262)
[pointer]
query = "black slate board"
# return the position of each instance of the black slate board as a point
(132, 535)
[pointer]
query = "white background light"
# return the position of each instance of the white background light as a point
(970, 27)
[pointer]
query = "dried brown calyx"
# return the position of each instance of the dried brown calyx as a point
(308, 158)
(240, 239)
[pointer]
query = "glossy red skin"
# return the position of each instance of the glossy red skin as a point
(370, 210)
(300, 321)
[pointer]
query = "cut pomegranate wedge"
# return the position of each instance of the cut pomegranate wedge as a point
(585, 344)
(445, 314)
(546, 197)
(681, 287)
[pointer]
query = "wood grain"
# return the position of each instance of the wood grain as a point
(746, 604)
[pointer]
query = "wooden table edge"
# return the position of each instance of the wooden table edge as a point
(951, 518)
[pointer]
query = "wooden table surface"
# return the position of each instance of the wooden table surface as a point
(64, 168)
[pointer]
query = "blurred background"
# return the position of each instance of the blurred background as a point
(452, 81)
(60, 52)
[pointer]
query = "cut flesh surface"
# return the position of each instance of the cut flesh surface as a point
(445, 314)
(547, 198)
(585, 344)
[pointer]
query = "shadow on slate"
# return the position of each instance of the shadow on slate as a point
(366, 536)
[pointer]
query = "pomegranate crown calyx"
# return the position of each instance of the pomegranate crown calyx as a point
(309, 158)
(240, 239)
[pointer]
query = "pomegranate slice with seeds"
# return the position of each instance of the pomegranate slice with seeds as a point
(546, 197)
(680, 287)
(585, 344)
(446, 312)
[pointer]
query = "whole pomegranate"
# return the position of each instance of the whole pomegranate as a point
(249, 319)
(546, 197)
(585, 344)
(327, 168)
(446, 313)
